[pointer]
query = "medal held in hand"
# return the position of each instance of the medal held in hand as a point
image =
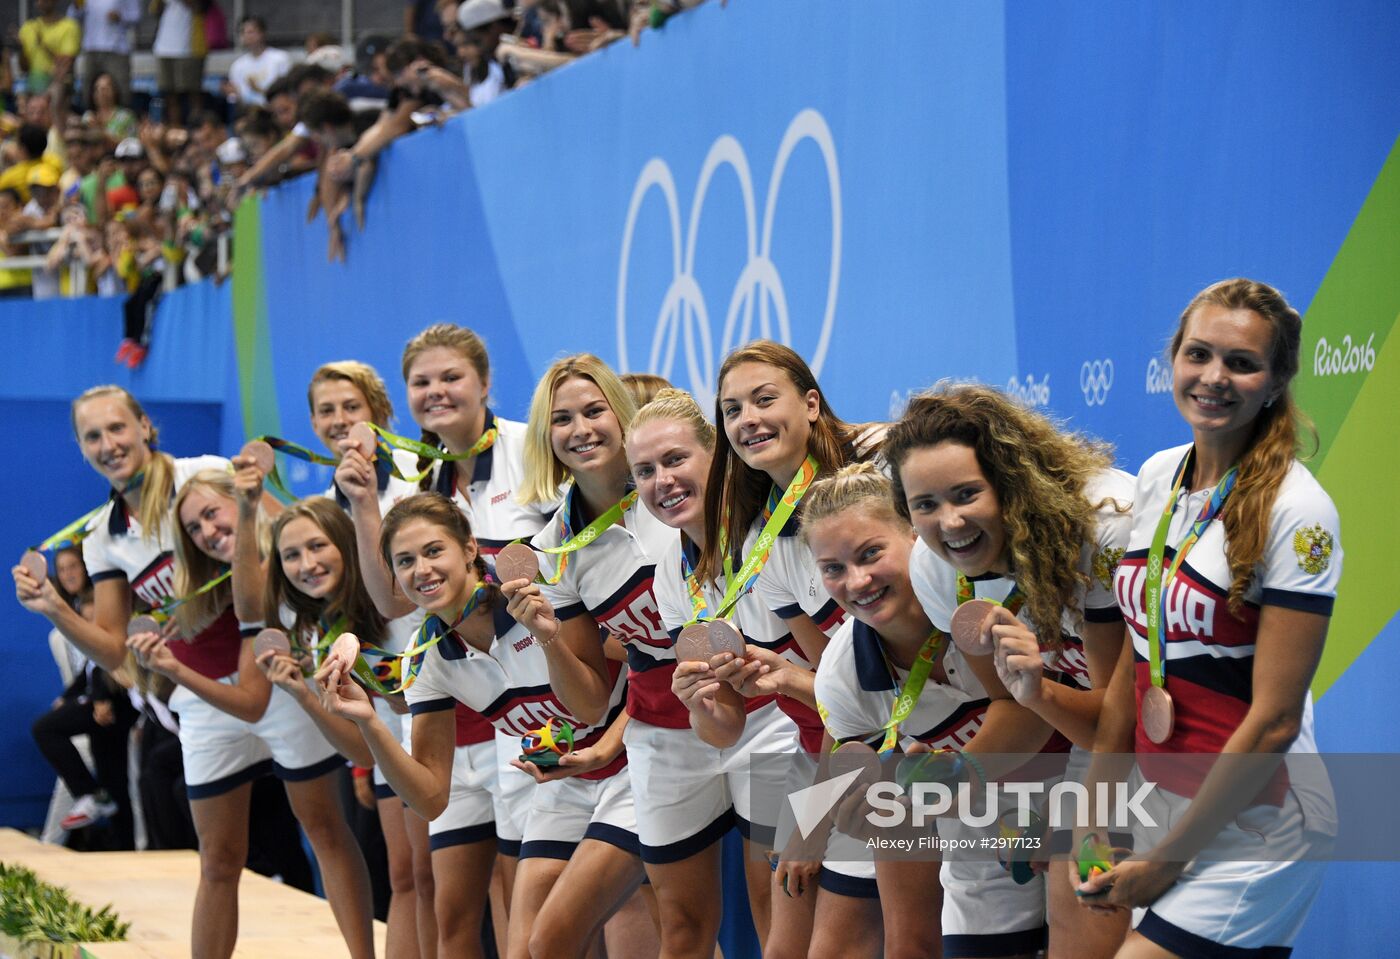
(701, 641)
(966, 627)
(36, 564)
(142, 624)
(517, 561)
(261, 454)
(271, 639)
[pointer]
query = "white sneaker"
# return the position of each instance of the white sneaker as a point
(88, 810)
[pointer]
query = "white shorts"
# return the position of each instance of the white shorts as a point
(222, 752)
(470, 813)
(565, 812)
(1231, 906)
(388, 717)
(848, 869)
(985, 912)
(688, 793)
(515, 790)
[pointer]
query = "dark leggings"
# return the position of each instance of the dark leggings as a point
(53, 734)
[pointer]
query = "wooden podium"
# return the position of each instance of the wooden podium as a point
(154, 891)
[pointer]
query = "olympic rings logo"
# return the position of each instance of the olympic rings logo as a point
(759, 287)
(1095, 380)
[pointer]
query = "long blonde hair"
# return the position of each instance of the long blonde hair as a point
(543, 471)
(1039, 474)
(159, 472)
(194, 567)
(1276, 441)
(460, 340)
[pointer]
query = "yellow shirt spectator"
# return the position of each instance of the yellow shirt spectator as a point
(42, 40)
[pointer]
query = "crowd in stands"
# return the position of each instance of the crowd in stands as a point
(110, 190)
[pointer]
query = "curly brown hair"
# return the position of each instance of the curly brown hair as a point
(1276, 440)
(1038, 471)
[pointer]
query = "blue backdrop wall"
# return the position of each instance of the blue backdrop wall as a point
(1025, 194)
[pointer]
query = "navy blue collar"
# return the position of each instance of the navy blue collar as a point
(572, 508)
(872, 669)
(446, 483)
(503, 621)
(118, 522)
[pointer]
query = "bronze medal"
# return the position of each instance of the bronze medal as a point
(346, 649)
(724, 638)
(271, 639)
(142, 624)
(261, 454)
(517, 561)
(365, 439)
(966, 627)
(36, 564)
(693, 644)
(1158, 714)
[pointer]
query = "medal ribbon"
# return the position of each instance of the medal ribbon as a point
(776, 512)
(1014, 599)
(296, 450)
(1158, 579)
(394, 441)
(391, 667)
(586, 535)
(167, 607)
(908, 696)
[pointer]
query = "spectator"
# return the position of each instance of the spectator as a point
(95, 705)
(258, 131)
(368, 86)
(150, 187)
(41, 213)
(107, 29)
(13, 283)
(333, 59)
(317, 40)
(258, 67)
(483, 23)
(179, 48)
(48, 46)
(109, 279)
(421, 20)
(282, 101)
(106, 111)
(77, 243)
(40, 112)
(31, 143)
(131, 158)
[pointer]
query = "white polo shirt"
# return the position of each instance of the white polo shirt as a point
(118, 548)
(489, 502)
(936, 582)
(508, 685)
(610, 579)
(857, 686)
